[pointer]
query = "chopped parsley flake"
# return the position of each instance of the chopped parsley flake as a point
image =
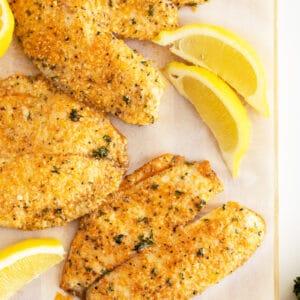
(169, 281)
(101, 213)
(154, 271)
(118, 238)
(144, 242)
(74, 115)
(155, 186)
(178, 193)
(126, 100)
(201, 204)
(101, 152)
(107, 138)
(110, 287)
(104, 271)
(58, 211)
(151, 10)
(55, 169)
(143, 220)
(200, 252)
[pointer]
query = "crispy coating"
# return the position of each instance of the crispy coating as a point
(72, 47)
(50, 172)
(196, 257)
(144, 209)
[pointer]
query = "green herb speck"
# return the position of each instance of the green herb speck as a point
(58, 211)
(110, 287)
(143, 220)
(201, 203)
(200, 252)
(169, 281)
(74, 115)
(151, 10)
(154, 272)
(101, 152)
(101, 213)
(107, 138)
(118, 238)
(55, 169)
(126, 100)
(144, 242)
(104, 271)
(155, 186)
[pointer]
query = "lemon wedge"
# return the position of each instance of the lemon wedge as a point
(6, 26)
(225, 54)
(218, 106)
(23, 261)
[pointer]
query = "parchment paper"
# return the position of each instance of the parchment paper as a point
(181, 131)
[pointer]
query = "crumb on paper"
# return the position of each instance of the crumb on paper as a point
(60, 296)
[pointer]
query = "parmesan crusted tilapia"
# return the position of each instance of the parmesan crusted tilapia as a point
(68, 43)
(195, 257)
(74, 44)
(150, 205)
(59, 159)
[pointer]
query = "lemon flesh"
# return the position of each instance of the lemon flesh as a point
(218, 106)
(225, 54)
(24, 261)
(6, 26)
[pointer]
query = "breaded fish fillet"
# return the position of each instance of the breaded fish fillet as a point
(196, 257)
(141, 213)
(73, 43)
(59, 160)
(68, 42)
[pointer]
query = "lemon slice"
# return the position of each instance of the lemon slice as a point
(23, 261)
(6, 26)
(218, 106)
(225, 54)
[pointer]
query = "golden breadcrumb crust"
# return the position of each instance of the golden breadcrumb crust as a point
(195, 257)
(145, 211)
(58, 159)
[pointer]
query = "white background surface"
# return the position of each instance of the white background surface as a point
(289, 145)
